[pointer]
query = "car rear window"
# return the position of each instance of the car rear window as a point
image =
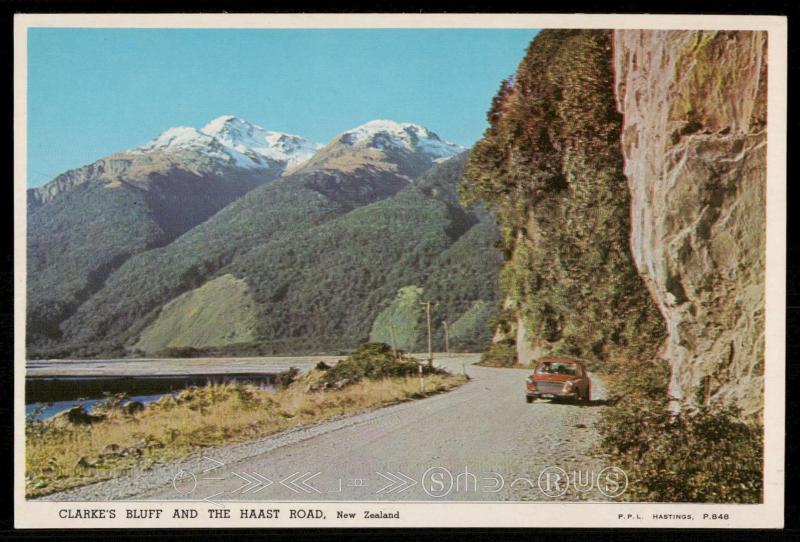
(557, 368)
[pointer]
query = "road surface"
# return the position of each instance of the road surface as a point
(480, 442)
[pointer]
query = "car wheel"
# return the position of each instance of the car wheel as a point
(528, 399)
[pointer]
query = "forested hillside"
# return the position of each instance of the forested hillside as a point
(81, 234)
(306, 263)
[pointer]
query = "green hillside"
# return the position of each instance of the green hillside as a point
(321, 263)
(220, 312)
(328, 284)
(76, 240)
(401, 323)
(70, 249)
(115, 314)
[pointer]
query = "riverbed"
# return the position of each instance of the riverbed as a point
(53, 386)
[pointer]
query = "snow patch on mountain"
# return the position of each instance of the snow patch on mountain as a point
(383, 134)
(246, 137)
(178, 137)
(235, 142)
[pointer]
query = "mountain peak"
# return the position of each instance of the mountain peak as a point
(235, 140)
(229, 125)
(178, 137)
(244, 137)
(222, 119)
(383, 134)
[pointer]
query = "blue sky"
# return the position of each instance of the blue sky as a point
(92, 92)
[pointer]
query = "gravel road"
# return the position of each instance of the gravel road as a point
(480, 442)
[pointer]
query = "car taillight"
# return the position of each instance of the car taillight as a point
(531, 384)
(568, 385)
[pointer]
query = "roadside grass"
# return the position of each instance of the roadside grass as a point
(61, 454)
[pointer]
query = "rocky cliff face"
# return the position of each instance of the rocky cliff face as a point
(99, 170)
(628, 174)
(694, 143)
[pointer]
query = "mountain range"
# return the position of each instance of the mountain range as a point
(233, 238)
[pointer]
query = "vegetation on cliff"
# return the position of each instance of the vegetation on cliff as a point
(705, 453)
(550, 166)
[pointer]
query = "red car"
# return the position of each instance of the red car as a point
(558, 378)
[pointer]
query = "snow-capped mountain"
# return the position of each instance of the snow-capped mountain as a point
(222, 192)
(404, 148)
(245, 137)
(231, 142)
(192, 139)
(384, 134)
(236, 142)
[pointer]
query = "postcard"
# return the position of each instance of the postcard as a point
(314, 270)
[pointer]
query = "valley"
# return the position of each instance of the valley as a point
(376, 209)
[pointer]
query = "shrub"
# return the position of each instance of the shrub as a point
(500, 354)
(702, 454)
(180, 352)
(375, 361)
(285, 378)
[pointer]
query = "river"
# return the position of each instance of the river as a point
(47, 396)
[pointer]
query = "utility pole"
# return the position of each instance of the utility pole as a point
(446, 339)
(394, 343)
(427, 305)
